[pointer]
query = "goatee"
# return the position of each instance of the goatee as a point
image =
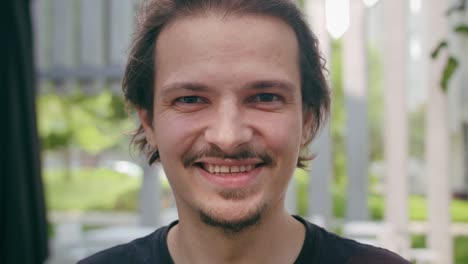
(231, 228)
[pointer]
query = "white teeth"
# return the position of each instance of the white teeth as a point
(224, 169)
(211, 168)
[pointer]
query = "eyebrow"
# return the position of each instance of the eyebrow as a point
(266, 84)
(199, 87)
(174, 87)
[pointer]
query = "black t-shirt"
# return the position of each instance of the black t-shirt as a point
(320, 247)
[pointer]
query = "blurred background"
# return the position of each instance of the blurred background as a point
(392, 162)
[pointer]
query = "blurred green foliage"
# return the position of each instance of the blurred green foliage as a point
(417, 208)
(417, 128)
(460, 248)
(418, 241)
(338, 114)
(90, 189)
(375, 103)
(338, 111)
(301, 177)
(89, 123)
(127, 200)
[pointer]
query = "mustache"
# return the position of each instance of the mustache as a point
(213, 151)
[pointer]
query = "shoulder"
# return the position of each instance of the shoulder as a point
(328, 247)
(370, 254)
(118, 254)
(149, 249)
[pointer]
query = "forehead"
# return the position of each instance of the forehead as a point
(209, 44)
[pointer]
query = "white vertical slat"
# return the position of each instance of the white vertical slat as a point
(150, 195)
(355, 90)
(40, 14)
(92, 41)
(320, 198)
(92, 33)
(64, 41)
(121, 21)
(417, 83)
(437, 139)
(42, 11)
(396, 122)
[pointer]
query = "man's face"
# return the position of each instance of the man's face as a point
(227, 117)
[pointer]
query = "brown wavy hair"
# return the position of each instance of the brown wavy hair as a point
(154, 15)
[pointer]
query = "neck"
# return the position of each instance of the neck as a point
(277, 238)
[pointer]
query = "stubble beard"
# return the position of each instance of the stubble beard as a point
(233, 227)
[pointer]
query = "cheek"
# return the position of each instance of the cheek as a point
(282, 132)
(174, 132)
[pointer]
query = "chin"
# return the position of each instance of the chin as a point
(233, 218)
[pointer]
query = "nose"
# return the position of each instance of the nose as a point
(229, 128)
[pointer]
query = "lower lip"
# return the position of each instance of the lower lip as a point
(232, 180)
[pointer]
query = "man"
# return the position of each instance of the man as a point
(229, 94)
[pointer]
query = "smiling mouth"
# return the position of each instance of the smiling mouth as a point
(224, 169)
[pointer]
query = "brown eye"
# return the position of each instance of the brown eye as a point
(190, 100)
(265, 97)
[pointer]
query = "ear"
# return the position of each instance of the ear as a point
(308, 122)
(146, 123)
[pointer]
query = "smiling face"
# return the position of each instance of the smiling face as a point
(227, 118)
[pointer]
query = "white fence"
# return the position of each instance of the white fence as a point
(81, 44)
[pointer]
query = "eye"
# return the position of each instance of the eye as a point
(265, 98)
(190, 100)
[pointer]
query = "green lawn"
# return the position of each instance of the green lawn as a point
(461, 249)
(90, 189)
(417, 208)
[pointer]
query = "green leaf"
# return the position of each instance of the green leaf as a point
(440, 46)
(462, 28)
(450, 67)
